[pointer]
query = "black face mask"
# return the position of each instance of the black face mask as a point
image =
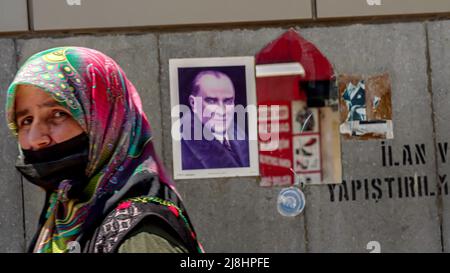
(47, 167)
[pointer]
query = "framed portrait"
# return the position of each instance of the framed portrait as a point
(214, 117)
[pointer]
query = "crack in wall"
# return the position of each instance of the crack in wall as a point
(439, 197)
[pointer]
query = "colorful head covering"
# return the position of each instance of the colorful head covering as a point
(99, 96)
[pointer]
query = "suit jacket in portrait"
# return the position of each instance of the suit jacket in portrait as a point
(212, 154)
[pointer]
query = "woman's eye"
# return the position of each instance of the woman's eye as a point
(26, 121)
(60, 114)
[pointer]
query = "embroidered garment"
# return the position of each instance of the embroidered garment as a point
(131, 212)
(107, 106)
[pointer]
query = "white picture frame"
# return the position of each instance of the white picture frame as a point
(241, 71)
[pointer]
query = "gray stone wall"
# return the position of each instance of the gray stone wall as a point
(235, 214)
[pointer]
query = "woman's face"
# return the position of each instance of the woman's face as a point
(41, 121)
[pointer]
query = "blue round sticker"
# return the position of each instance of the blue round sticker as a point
(291, 201)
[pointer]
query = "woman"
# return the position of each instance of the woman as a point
(85, 139)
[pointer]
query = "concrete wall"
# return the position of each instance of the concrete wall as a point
(235, 214)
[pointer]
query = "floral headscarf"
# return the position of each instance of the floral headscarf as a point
(107, 106)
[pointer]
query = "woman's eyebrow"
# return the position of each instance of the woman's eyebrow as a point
(50, 103)
(47, 104)
(21, 113)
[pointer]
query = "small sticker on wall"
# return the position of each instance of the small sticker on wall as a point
(366, 108)
(306, 153)
(304, 119)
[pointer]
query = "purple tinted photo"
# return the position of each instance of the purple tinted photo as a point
(214, 131)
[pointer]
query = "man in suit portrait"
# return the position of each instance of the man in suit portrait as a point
(222, 142)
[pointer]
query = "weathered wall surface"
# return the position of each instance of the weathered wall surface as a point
(11, 206)
(399, 223)
(439, 45)
(378, 201)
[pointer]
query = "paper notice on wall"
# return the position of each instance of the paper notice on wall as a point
(330, 145)
(306, 142)
(366, 108)
(293, 147)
